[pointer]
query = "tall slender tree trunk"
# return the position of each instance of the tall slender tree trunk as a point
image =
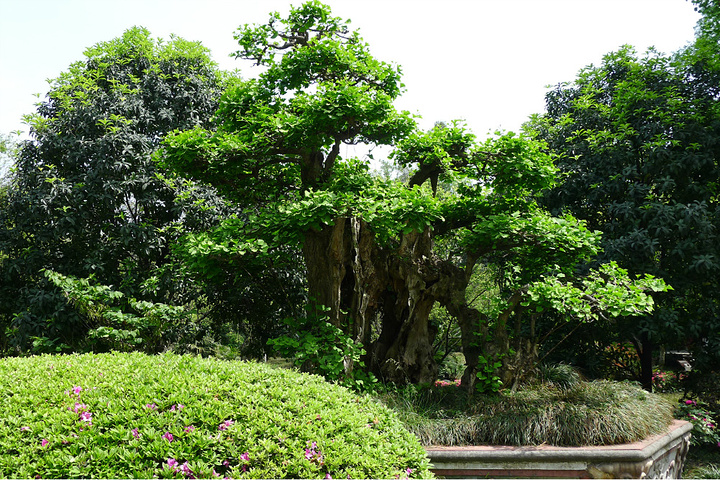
(644, 348)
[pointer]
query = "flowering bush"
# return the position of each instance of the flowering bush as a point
(667, 381)
(129, 415)
(705, 429)
(447, 383)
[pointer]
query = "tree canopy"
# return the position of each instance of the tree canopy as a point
(637, 145)
(378, 254)
(86, 199)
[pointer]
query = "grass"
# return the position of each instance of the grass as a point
(702, 462)
(585, 413)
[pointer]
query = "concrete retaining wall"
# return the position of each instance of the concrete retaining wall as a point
(660, 456)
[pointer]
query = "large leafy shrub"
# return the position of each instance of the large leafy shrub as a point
(129, 415)
(320, 347)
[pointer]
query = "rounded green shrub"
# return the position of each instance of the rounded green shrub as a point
(170, 416)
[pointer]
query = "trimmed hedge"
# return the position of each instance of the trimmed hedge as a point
(169, 416)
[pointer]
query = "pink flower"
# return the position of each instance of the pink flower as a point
(86, 417)
(172, 463)
(245, 457)
(408, 471)
(189, 428)
(77, 390)
(151, 406)
(225, 425)
(689, 402)
(177, 407)
(312, 454)
(44, 442)
(185, 469)
(136, 433)
(168, 436)
(24, 429)
(328, 477)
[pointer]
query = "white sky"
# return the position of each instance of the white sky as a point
(485, 61)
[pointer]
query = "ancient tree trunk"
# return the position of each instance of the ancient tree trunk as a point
(346, 274)
(473, 328)
(403, 352)
(369, 280)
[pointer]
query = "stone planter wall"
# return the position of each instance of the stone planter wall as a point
(660, 456)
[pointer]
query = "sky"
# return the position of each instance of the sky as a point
(488, 62)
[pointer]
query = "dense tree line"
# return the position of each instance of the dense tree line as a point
(637, 141)
(87, 199)
(165, 181)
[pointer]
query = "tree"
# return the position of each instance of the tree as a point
(87, 200)
(638, 145)
(8, 154)
(379, 254)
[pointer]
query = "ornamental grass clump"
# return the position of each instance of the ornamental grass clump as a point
(170, 416)
(581, 414)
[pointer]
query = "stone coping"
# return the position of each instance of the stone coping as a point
(627, 452)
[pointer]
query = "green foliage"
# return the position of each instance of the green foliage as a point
(560, 375)
(153, 327)
(168, 416)
(705, 471)
(452, 366)
(636, 139)
(583, 413)
(705, 430)
(321, 88)
(605, 291)
(708, 27)
(317, 346)
(87, 198)
(488, 381)
(702, 463)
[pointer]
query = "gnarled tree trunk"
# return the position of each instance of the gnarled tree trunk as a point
(403, 352)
